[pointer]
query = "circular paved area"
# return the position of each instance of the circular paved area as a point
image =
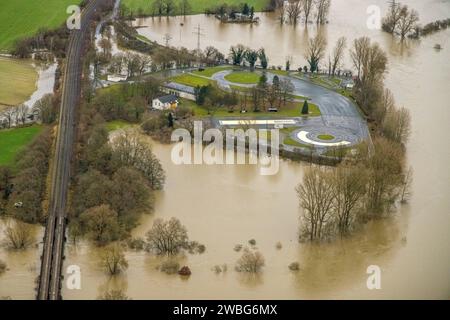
(310, 135)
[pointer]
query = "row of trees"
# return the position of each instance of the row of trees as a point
(23, 194)
(401, 20)
(336, 201)
(240, 55)
(292, 11)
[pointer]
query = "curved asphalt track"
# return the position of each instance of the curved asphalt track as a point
(338, 112)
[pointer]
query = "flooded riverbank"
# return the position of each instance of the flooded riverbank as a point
(223, 206)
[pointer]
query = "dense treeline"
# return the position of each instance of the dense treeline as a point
(116, 176)
(23, 194)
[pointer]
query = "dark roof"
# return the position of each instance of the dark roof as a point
(168, 99)
(180, 87)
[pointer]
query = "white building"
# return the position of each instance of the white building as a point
(168, 102)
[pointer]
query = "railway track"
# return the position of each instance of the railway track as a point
(49, 287)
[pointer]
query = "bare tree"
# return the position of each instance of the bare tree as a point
(316, 198)
(405, 192)
(280, 10)
(114, 295)
(407, 21)
(385, 168)
(323, 8)
(167, 237)
(348, 188)
(293, 10)
(46, 109)
(307, 8)
(129, 149)
(9, 115)
(250, 261)
(396, 125)
(113, 259)
(21, 113)
(315, 51)
(18, 235)
(389, 23)
(106, 46)
(370, 61)
(338, 53)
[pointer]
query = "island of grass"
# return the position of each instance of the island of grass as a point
(145, 7)
(14, 140)
(17, 81)
(326, 137)
(291, 110)
(23, 18)
(192, 80)
(209, 72)
(243, 77)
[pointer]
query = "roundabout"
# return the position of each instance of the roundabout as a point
(324, 137)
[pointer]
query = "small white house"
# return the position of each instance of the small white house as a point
(169, 102)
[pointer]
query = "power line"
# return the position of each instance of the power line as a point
(198, 32)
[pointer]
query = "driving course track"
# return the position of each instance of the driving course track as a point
(53, 250)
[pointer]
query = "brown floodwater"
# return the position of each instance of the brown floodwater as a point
(227, 205)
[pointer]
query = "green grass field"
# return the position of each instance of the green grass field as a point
(197, 6)
(325, 137)
(22, 18)
(243, 77)
(13, 140)
(209, 72)
(191, 80)
(288, 111)
(117, 124)
(17, 81)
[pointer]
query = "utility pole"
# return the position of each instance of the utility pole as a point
(167, 38)
(198, 32)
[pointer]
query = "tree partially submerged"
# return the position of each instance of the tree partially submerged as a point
(250, 261)
(18, 235)
(113, 259)
(167, 237)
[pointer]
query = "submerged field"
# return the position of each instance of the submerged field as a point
(17, 81)
(23, 18)
(13, 140)
(197, 6)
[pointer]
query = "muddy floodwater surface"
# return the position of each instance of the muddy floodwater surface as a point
(222, 206)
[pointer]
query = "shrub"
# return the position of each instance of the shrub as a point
(294, 266)
(250, 261)
(169, 267)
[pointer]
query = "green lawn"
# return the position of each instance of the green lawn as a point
(289, 111)
(197, 6)
(13, 140)
(209, 72)
(191, 80)
(278, 72)
(117, 124)
(325, 137)
(243, 77)
(23, 18)
(17, 80)
(291, 142)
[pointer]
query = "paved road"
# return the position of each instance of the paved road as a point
(339, 114)
(53, 251)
